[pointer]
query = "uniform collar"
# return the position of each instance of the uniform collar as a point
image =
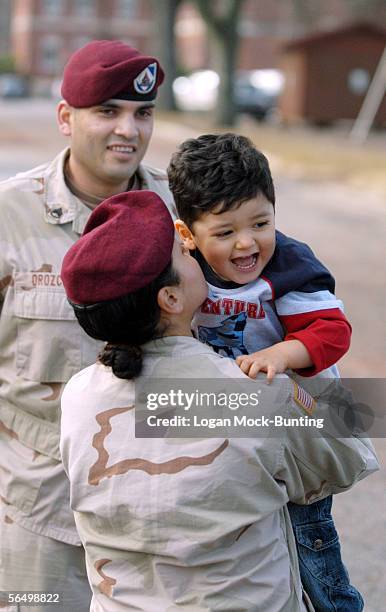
(143, 178)
(60, 204)
(175, 346)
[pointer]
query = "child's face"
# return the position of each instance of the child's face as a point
(238, 243)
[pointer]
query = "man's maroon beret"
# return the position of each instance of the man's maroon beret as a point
(127, 243)
(105, 69)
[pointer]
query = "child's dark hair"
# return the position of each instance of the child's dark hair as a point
(217, 170)
(126, 323)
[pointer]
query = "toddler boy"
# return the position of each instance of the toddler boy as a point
(271, 306)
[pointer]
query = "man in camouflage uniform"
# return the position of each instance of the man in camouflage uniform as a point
(107, 112)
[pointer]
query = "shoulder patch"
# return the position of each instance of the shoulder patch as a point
(303, 399)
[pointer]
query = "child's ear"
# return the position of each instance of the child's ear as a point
(185, 234)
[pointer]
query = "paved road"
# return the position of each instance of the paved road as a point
(346, 227)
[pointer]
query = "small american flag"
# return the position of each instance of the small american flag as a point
(303, 399)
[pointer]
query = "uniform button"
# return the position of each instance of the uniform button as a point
(318, 544)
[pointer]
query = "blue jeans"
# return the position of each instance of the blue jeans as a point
(324, 577)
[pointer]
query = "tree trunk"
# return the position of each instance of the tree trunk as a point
(226, 111)
(223, 25)
(165, 12)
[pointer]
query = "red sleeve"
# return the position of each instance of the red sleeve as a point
(326, 335)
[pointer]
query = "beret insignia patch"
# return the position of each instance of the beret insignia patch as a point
(146, 79)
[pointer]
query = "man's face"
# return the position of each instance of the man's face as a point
(238, 243)
(108, 142)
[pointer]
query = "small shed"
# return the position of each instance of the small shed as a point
(327, 74)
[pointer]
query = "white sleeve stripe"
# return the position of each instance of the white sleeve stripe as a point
(297, 302)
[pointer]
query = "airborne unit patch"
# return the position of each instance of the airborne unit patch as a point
(303, 399)
(146, 79)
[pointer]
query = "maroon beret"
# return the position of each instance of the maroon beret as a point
(127, 243)
(105, 69)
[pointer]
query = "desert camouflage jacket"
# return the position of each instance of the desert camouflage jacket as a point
(193, 524)
(41, 344)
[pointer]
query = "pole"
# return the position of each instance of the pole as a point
(371, 103)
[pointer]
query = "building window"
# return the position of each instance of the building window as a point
(49, 60)
(126, 8)
(52, 7)
(84, 8)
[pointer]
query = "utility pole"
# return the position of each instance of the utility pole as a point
(371, 103)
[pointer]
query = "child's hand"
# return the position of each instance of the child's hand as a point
(272, 360)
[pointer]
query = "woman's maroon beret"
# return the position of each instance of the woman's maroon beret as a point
(127, 243)
(105, 69)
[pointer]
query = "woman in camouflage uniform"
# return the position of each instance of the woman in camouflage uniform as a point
(191, 524)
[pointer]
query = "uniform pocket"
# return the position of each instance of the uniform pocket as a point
(49, 340)
(21, 474)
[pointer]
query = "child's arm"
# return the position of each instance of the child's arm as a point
(313, 342)
(303, 295)
(325, 333)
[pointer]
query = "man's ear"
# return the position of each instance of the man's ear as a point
(64, 112)
(185, 234)
(169, 300)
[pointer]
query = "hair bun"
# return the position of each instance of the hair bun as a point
(125, 361)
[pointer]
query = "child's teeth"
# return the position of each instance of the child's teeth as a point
(245, 262)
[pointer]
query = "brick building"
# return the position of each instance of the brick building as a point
(264, 27)
(327, 74)
(45, 32)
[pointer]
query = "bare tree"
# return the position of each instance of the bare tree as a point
(165, 13)
(222, 18)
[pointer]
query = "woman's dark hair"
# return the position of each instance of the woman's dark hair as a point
(126, 323)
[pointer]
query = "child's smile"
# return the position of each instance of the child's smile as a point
(247, 263)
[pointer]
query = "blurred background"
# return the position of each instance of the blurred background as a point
(280, 60)
(305, 80)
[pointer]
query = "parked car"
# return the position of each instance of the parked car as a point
(255, 91)
(13, 86)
